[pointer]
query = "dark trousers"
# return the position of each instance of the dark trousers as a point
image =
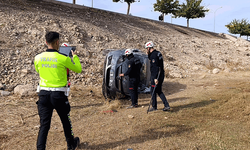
(48, 101)
(133, 90)
(158, 90)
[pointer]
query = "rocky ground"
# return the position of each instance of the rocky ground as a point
(24, 24)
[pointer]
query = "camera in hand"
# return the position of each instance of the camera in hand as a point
(67, 50)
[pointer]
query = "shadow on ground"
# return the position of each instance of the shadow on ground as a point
(193, 105)
(173, 87)
(150, 134)
(168, 88)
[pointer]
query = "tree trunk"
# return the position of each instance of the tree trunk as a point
(162, 17)
(188, 23)
(74, 1)
(128, 8)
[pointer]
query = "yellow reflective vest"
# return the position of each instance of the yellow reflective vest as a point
(52, 68)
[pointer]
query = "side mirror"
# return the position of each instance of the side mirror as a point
(123, 57)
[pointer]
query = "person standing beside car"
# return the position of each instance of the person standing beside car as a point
(68, 74)
(52, 68)
(134, 68)
(156, 67)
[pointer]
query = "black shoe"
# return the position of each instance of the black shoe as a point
(75, 145)
(152, 109)
(166, 109)
(132, 106)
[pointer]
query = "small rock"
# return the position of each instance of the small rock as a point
(24, 90)
(37, 127)
(4, 93)
(216, 71)
(130, 116)
(25, 71)
(196, 68)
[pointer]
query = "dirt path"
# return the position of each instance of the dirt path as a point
(203, 107)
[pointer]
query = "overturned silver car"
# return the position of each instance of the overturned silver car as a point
(115, 64)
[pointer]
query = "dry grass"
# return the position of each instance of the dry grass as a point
(209, 112)
(210, 65)
(233, 65)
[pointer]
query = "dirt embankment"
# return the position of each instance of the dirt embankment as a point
(186, 51)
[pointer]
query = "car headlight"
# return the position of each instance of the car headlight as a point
(109, 59)
(110, 82)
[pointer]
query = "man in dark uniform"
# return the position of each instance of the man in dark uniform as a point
(156, 67)
(134, 67)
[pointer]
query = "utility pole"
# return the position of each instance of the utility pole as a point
(92, 3)
(214, 17)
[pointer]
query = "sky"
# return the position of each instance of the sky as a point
(221, 12)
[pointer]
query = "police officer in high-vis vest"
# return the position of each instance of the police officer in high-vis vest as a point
(134, 68)
(156, 67)
(52, 68)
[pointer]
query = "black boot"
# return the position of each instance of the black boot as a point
(74, 144)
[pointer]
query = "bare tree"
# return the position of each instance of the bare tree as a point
(128, 2)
